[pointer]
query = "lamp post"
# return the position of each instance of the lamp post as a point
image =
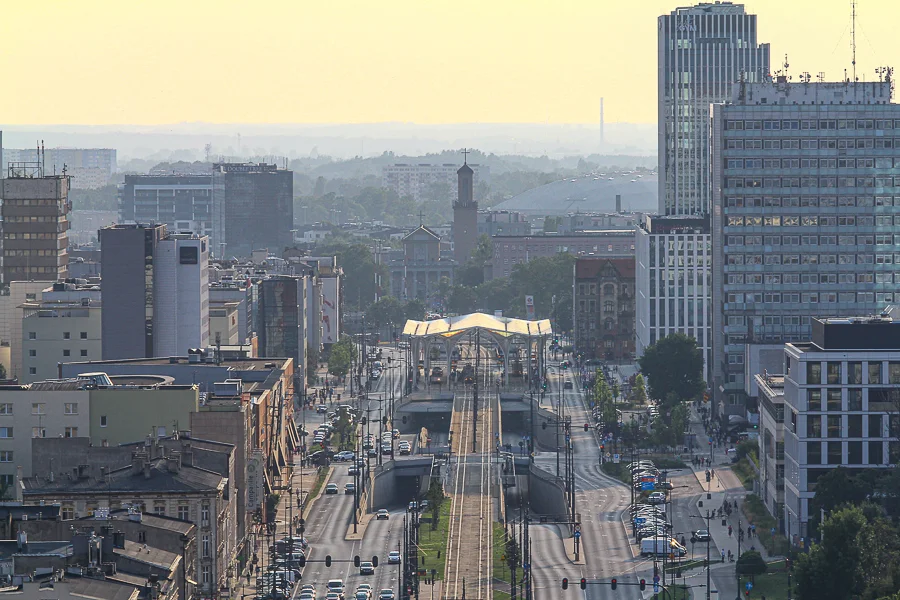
(708, 518)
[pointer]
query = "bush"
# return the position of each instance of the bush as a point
(751, 563)
(748, 448)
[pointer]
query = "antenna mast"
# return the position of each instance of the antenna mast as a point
(853, 36)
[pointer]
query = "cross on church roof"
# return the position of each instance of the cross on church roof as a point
(465, 153)
(421, 218)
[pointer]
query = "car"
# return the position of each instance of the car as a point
(349, 488)
(331, 488)
(701, 535)
(321, 409)
(404, 450)
(386, 450)
(365, 587)
(335, 586)
(657, 498)
(361, 595)
(334, 596)
(372, 453)
(413, 506)
(346, 455)
(393, 557)
(366, 568)
(396, 433)
(386, 594)
(666, 485)
(354, 470)
(382, 515)
(567, 385)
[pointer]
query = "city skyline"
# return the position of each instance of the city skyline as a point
(500, 62)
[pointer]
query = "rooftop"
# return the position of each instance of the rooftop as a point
(148, 555)
(589, 193)
(591, 266)
(75, 588)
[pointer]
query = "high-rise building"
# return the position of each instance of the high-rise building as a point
(805, 209)
(158, 290)
(35, 224)
(181, 202)
(252, 208)
(702, 51)
(422, 181)
(282, 322)
(89, 168)
(465, 216)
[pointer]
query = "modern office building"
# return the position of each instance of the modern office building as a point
(603, 308)
(89, 168)
(160, 284)
(511, 250)
(673, 287)
(252, 208)
(805, 209)
(35, 224)
(703, 50)
(839, 401)
(281, 314)
(181, 294)
(242, 291)
(182, 202)
(420, 180)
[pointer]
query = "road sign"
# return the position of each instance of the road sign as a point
(647, 485)
(656, 579)
(640, 520)
(655, 588)
(577, 527)
(577, 534)
(616, 458)
(748, 586)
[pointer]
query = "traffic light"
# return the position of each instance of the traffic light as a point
(602, 447)
(356, 561)
(643, 585)
(328, 560)
(747, 593)
(544, 425)
(585, 426)
(583, 583)
(614, 584)
(565, 583)
(384, 420)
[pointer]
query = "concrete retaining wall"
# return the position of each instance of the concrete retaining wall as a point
(546, 492)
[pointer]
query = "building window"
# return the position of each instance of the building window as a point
(813, 372)
(38, 408)
(32, 353)
(814, 453)
(813, 426)
(854, 373)
(834, 372)
(67, 513)
(67, 352)
(159, 508)
(834, 453)
(67, 335)
(204, 515)
(32, 370)
(6, 408)
(205, 545)
(854, 453)
(184, 512)
(894, 372)
(7, 481)
(875, 426)
(142, 537)
(814, 399)
(32, 335)
(71, 432)
(854, 399)
(834, 426)
(102, 420)
(70, 408)
(6, 432)
(6, 456)
(876, 453)
(38, 432)
(608, 306)
(833, 400)
(204, 575)
(874, 372)
(854, 426)
(83, 335)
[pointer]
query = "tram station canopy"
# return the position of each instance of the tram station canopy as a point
(500, 326)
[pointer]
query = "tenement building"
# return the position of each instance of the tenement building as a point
(839, 404)
(805, 209)
(604, 307)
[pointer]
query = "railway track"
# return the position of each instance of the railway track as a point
(468, 567)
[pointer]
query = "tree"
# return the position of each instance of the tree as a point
(359, 271)
(562, 312)
(674, 364)
(414, 309)
(835, 568)
(387, 310)
(751, 563)
(341, 356)
(638, 391)
(461, 300)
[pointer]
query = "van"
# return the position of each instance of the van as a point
(655, 546)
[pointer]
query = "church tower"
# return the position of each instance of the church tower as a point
(465, 215)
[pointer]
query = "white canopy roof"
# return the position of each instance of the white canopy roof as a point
(501, 326)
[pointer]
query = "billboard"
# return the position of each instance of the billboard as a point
(529, 308)
(330, 316)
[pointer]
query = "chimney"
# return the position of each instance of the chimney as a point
(173, 461)
(137, 462)
(618, 203)
(146, 466)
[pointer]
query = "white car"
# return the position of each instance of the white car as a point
(393, 557)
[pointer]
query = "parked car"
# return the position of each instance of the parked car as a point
(567, 385)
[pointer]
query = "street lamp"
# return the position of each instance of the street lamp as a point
(708, 518)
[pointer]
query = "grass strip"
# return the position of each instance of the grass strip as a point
(433, 543)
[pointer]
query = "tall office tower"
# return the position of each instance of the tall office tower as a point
(157, 285)
(805, 207)
(126, 261)
(35, 224)
(465, 216)
(181, 202)
(181, 294)
(253, 208)
(702, 51)
(281, 315)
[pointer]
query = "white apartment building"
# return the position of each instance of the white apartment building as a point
(89, 168)
(414, 179)
(181, 294)
(54, 332)
(673, 286)
(839, 404)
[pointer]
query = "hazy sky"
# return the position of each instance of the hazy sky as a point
(351, 61)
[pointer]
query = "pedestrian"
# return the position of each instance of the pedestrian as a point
(729, 531)
(723, 556)
(749, 531)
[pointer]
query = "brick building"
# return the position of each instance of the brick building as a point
(603, 308)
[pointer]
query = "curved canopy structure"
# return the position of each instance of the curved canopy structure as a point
(500, 326)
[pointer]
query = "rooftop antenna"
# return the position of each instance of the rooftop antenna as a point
(805, 77)
(786, 65)
(853, 36)
(821, 76)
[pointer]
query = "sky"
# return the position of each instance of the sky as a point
(151, 62)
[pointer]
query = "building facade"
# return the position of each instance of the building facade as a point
(418, 271)
(465, 216)
(673, 282)
(771, 441)
(418, 180)
(55, 332)
(281, 329)
(180, 294)
(703, 50)
(840, 398)
(804, 216)
(604, 308)
(182, 202)
(35, 225)
(511, 250)
(252, 207)
(89, 168)
(503, 222)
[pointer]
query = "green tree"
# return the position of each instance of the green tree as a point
(461, 300)
(751, 563)
(414, 309)
(562, 312)
(359, 272)
(639, 391)
(341, 356)
(835, 568)
(386, 311)
(674, 365)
